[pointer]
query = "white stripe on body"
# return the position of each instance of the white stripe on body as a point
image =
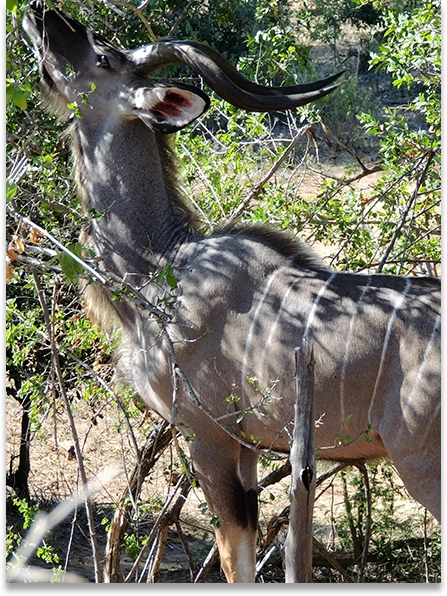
(345, 359)
(427, 352)
(426, 355)
(258, 312)
(276, 321)
(254, 322)
(318, 297)
(391, 321)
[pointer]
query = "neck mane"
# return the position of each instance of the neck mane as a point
(139, 212)
(127, 181)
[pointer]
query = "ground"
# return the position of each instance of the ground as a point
(54, 476)
(105, 441)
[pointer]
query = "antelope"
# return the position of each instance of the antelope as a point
(245, 296)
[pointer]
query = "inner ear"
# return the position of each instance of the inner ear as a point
(166, 108)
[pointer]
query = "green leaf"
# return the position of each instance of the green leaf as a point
(166, 274)
(71, 268)
(11, 5)
(48, 161)
(19, 99)
(11, 190)
(170, 278)
(75, 109)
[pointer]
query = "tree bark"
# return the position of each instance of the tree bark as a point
(298, 547)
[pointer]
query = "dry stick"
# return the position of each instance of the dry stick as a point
(170, 518)
(425, 538)
(429, 158)
(351, 179)
(157, 442)
(366, 171)
(364, 558)
(60, 246)
(137, 10)
(276, 522)
(63, 393)
(201, 174)
(260, 564)
(244, 204)
(44, 522)
(275, 526)
(180, 19)
(106, 279)
(334, 470)
(206, 565)
(337, 141)
(320, 548)
(184, 542)
(352, 530)
(153, 562)
(374, 203)
(94, 374)
(268, 453)
(275, 476)
(298, 546)
(154, 531)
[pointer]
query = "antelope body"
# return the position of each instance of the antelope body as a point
(245, 297)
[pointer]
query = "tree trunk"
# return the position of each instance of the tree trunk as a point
(298, 547)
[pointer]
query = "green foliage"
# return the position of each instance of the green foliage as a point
(411, 154)
(331, 15)
(71, 268)
(14, 538)
(395, 537)
(392, 224)
(133, 545)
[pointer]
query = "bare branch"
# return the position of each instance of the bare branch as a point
(255, 192)
(74, 432)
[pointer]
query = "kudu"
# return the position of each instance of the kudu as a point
(245, 296)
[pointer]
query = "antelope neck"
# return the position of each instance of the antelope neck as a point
(123, 186)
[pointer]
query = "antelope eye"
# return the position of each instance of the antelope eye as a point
(102, 61)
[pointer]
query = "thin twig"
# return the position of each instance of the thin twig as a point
(347, 181)
(206, 565)
(63, 393)
(320, 548)
(411, 202)
(154, 530)
(44, 522)
(138, 10)
(255, 192)
(425, 538)
(107, 279)
(92, 372)
(367, 537)
(180, 19)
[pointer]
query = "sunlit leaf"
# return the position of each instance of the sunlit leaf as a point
(71, 268)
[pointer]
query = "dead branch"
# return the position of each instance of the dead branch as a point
(157, 442)
(64, 396)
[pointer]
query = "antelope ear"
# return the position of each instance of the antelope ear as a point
(166, 109)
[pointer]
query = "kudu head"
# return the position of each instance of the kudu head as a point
(243, 303)
(80, 68)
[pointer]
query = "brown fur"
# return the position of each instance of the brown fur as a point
(246, 298)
